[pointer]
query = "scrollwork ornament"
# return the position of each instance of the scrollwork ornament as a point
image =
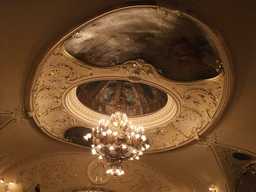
(208, 141)
(88, 188)
(136, 69)
(198, 103)
(249, 168)
(48, 174)
(96, 171)
(16, 115)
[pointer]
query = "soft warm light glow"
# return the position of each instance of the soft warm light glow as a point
(2, 180)
(143, 137)
(111, 148)
(212, 188)
(109, 131)
(115, 123)
(117, 140)
(115, 133)
(94, 152)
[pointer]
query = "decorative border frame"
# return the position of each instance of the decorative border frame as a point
(163, 139)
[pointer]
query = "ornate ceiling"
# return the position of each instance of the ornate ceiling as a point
(172, 70)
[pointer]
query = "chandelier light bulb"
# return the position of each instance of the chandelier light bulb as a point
(104, 133)
(115, 133)
(116, 141)
(111, 147)
(115, 124)
(143, 137)
(94, 151)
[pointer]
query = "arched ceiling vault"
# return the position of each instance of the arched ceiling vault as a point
(172, 68)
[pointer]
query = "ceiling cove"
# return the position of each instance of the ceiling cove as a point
(176, 72)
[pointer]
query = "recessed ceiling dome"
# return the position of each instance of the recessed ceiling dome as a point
(175, 45)
(103, 96)
(175, 73)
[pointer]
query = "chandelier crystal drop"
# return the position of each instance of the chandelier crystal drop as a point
(117, 140)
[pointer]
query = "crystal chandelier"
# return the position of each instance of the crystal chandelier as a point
(117, 140)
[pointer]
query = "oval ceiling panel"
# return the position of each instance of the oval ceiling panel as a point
(172, 71)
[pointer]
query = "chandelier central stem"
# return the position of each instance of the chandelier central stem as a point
(117, 140)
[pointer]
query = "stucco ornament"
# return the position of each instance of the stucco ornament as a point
(193, 69)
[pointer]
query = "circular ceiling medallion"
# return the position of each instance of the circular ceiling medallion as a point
(96, 171)
(173, 71)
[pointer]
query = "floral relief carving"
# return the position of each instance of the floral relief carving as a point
(198, 102)
(88, 188)
(58, 73)
(249, 168)
(48, 174)
(16, 115)
(208, 141)
(136, 69)
(147, 183)
(141, 181)
(189, 122)
(96, 171)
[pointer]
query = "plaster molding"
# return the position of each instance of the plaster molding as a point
(96, 171)
(192, 109)
(208, 141)
(16, 115)
(48, 174)
(88, 188)
(71, 153)
(177, 6)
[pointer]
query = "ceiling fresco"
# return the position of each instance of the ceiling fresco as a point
(138, 99)
(175, 45)
(172, 72)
